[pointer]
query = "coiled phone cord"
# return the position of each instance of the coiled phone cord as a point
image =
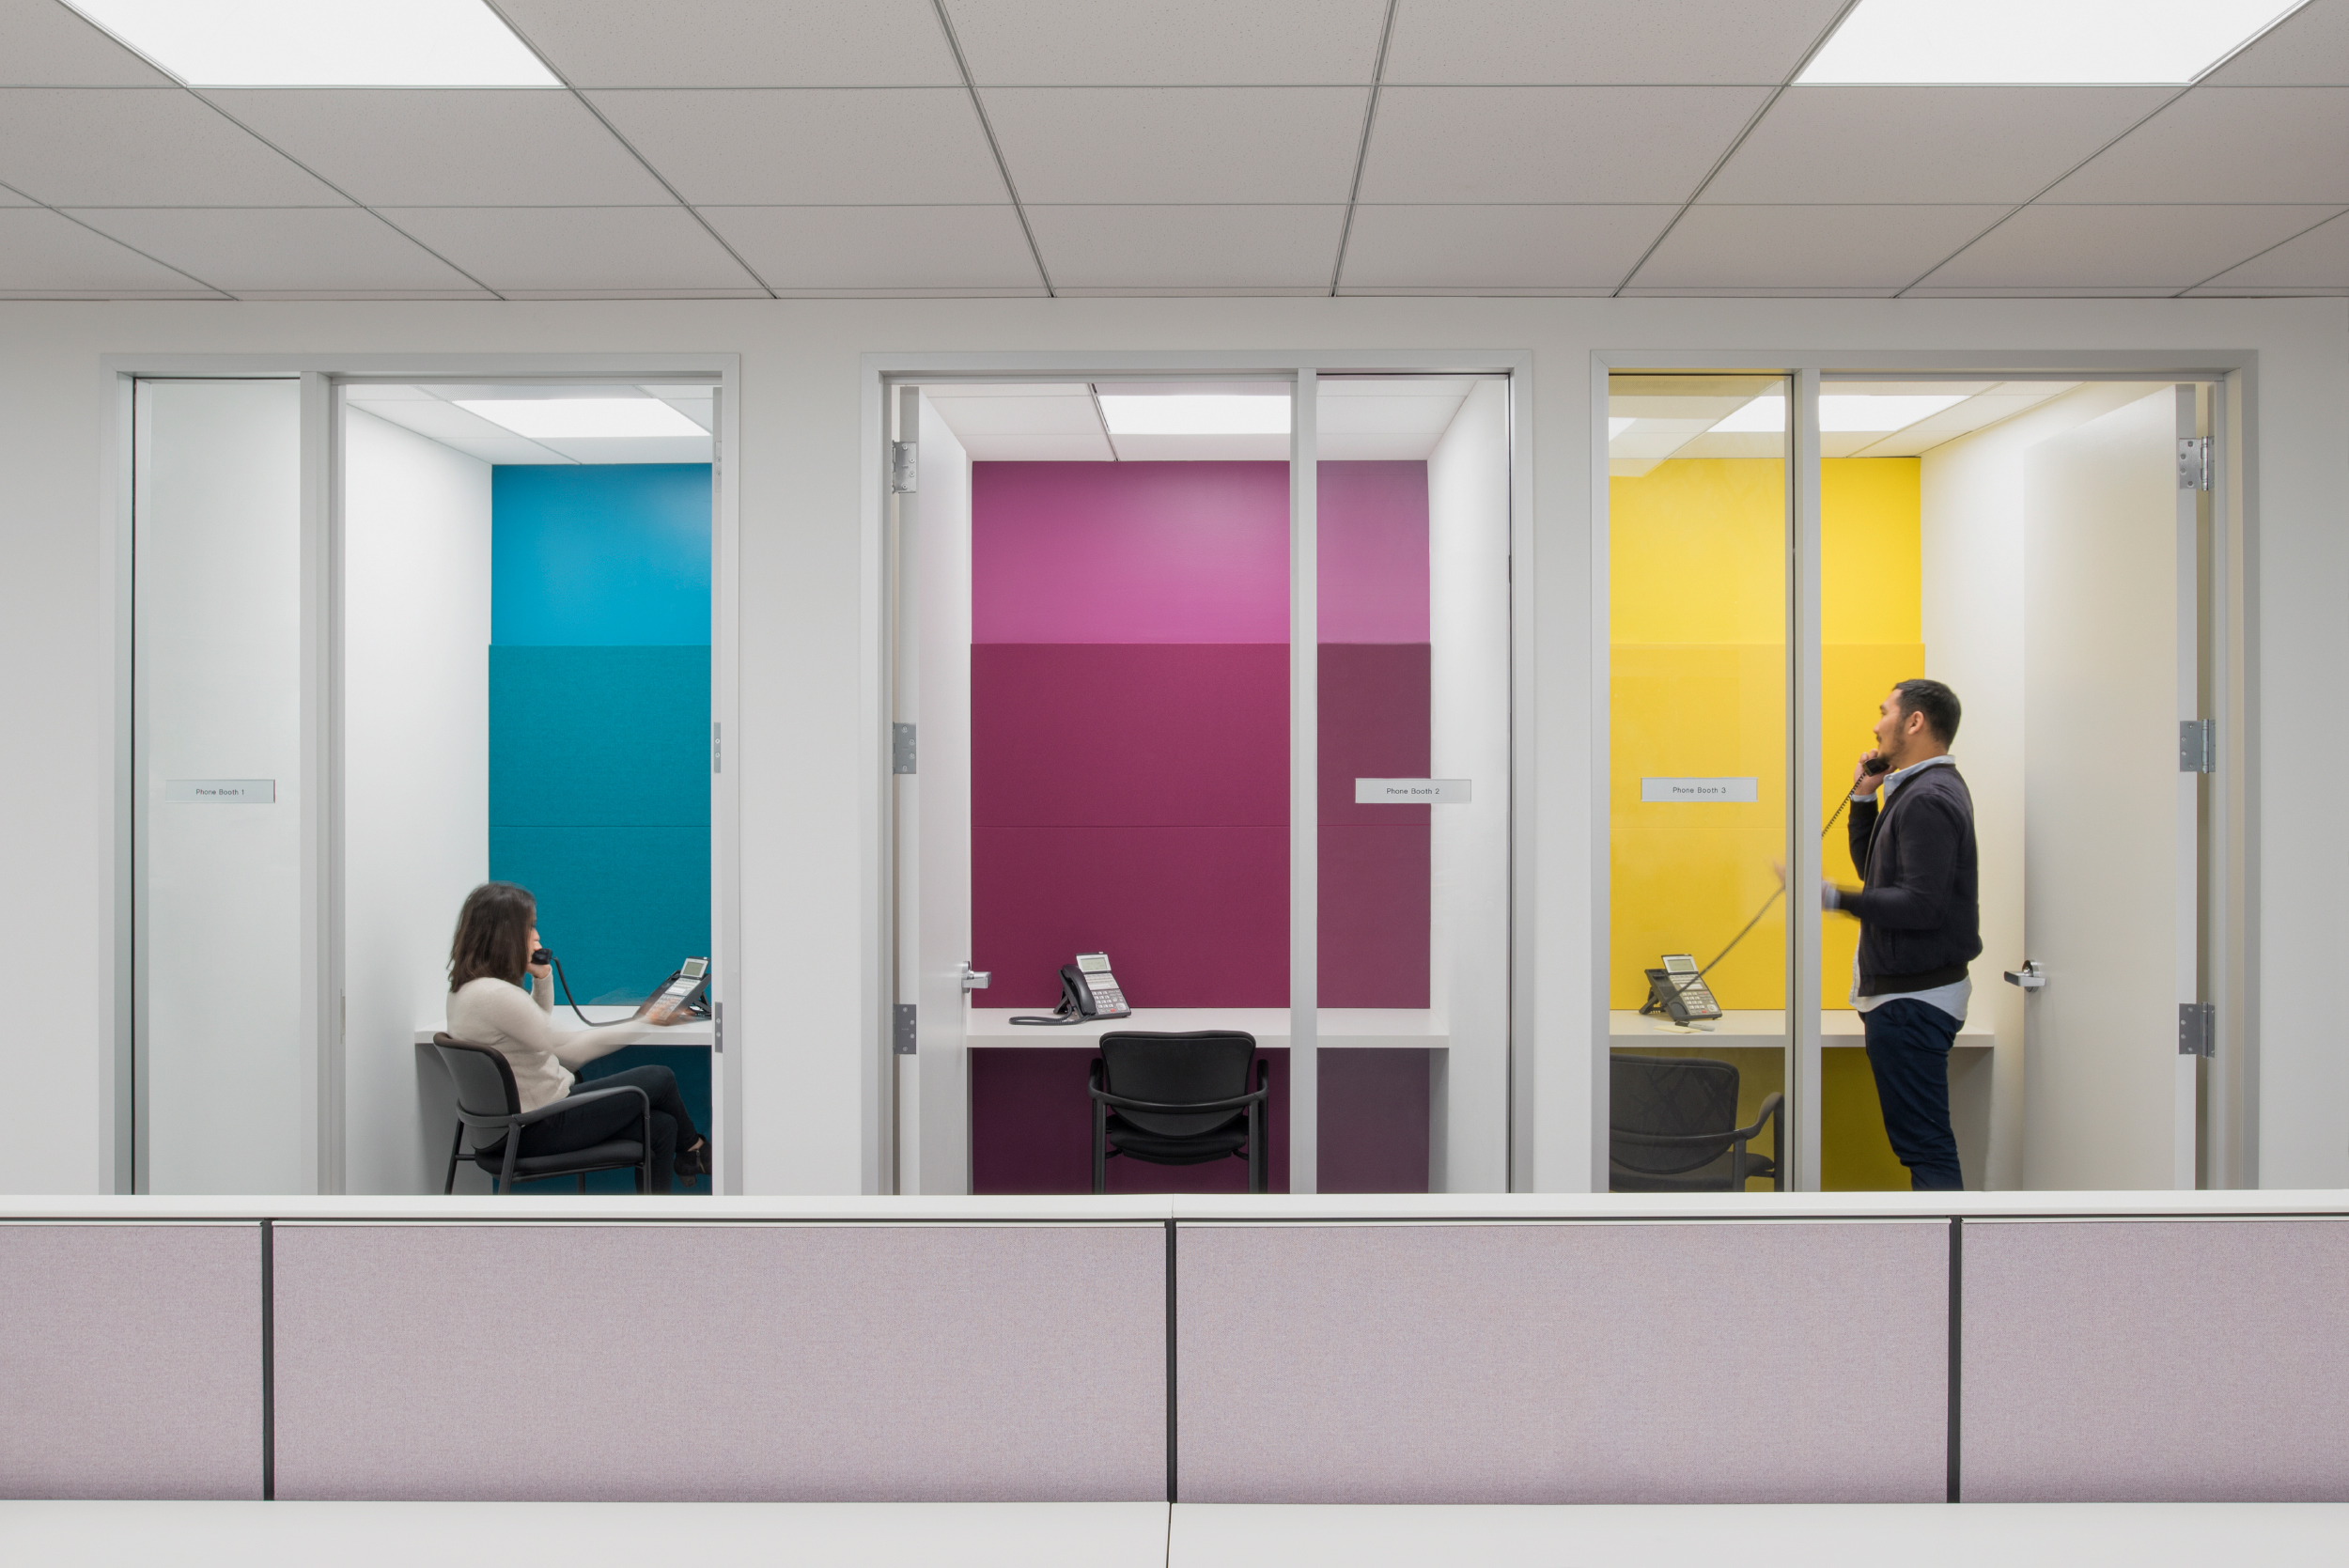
(544, 956)
(1834, 816)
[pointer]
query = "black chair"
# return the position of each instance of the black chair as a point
(1673, 1127)
(1177, 1099)
(490, 1104)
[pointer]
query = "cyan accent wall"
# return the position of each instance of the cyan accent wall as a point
(599, 714)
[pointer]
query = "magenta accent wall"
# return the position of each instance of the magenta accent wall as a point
(1129, 729)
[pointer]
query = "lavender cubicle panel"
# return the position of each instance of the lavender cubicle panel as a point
(722, 1362)
(131, 1361)
(2157, 1360)
(1564, 1363)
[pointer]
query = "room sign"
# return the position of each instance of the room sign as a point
(1669, 790)
(219, 792)
(1411, 792)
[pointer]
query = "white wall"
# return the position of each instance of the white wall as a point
(415, 780)
(219, 1042)
(810, 746)
(1974, 558)
(1468, 583)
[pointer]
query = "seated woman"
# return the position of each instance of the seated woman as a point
(497, 934)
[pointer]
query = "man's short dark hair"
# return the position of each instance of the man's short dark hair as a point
(1937, 702)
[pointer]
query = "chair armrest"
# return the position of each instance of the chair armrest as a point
(1671, 1140)
(1772, 1103)
(570, 1101)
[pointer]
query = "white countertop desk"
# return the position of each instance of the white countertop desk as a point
(697, 1032)
(1340, 1028)
(1760, 1029)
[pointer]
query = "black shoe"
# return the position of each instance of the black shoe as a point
(695, 1161)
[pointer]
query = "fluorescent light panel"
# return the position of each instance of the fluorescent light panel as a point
(323, 43)
(1196, 414)
(1617, 427)
(583, 418)
(1863, 411)
(2024, 42)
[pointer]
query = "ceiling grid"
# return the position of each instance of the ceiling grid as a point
(797, 149)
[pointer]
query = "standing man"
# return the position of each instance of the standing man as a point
(1919, 920)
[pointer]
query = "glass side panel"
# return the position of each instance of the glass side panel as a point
(1697, 604)
(1412, 494)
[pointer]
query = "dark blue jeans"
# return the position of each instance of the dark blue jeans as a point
(1909, 1051)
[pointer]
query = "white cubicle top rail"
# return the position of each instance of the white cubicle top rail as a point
(1327, 1208)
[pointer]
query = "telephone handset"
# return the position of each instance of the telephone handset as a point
(1087, 990)
(1876, 764)
(1678, 991)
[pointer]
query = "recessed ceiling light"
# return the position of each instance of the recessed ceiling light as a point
(583, 418)
(2021, 42)
(324, 43)
(1847, 412)
(1206, 414)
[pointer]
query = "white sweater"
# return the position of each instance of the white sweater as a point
(520, 1025)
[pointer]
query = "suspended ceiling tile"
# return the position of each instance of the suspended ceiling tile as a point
(1565, 145)
(1809, 247)
(881, 248)
(633, 449)
(2310, 48)
(507, 450)
(1060, 428)
(427, 416)
(1180, 144)
(1497, 247)
(49, 256)
(701, 411)
(130, 146)
(1602, 40)
(2245, 143)
(783, 147)
(430, 148)
(248, 250)
(44, 45)
(585, 250)
(1925, 144)
(739, 44)
(1203, 449)
(1188, 249)
(1172, 42)
(1975, 413)
(2115, 247)
(2317, 259)
(10, 198)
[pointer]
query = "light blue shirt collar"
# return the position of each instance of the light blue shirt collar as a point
(1894, 780)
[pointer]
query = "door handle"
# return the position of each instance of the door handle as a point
(973, 980)
(2030, 977)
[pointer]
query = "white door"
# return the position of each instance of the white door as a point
(222, 1076)
(934, 806)
(2111, 903)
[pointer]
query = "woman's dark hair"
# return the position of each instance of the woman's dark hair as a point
(1937, 702)
(492, 935)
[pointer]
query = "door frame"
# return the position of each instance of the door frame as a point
(2229, 894)
(321, 977)
(880, 374)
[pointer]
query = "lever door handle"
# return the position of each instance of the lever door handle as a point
(2030, 977)
(974, 980)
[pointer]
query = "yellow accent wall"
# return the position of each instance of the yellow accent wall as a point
(1697, 615)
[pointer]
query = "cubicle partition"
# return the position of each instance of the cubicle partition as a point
(1443, 1349)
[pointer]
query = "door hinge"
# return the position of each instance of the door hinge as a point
(2198, 1029)
(717, 753)
(2193, 463)
(718, 1028)
(2198, 745)
(904, 1037)
(904, 468)
(901, 748)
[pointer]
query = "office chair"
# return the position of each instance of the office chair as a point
(1177, 1099)
(490, 1104)
(1673, 1127)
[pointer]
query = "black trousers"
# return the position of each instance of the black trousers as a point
(620, 1116)
(1909, 1051)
